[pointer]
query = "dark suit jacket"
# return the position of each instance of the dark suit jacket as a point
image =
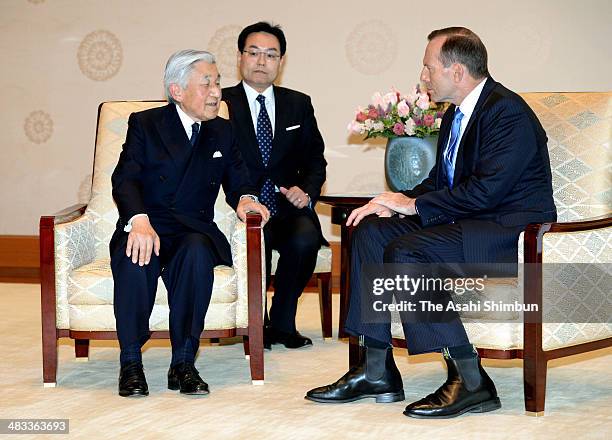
(502, 174)
(159, 173)
(297, 155)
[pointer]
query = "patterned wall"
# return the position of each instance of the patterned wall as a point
(61, 58)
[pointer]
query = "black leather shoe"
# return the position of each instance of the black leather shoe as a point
(289, 340)
(468, 388)
(186, 378)
(375, 376)
(132, 381)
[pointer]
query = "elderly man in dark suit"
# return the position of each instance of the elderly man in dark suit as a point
(283, 149)
(165, 185)
(492, 177)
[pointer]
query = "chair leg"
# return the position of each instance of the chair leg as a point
(325, 303)
(49, 358)
(256, 360)
(81, 349)
(245, 344)
(534, 386)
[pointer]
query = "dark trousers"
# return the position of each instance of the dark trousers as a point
(395, 240)
(186, 263)
(296, 238)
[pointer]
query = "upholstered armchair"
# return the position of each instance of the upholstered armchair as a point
(579, 128)
(76, 280)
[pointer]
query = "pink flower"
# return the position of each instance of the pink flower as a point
(361, 117)
(403, 109)
(413, 95)
(398, 128)
(429, 120)
(372, 113)
(423, 101)
(389, 98)
(377, 100)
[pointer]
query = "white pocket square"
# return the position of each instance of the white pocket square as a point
(293, 127)
(217, 154)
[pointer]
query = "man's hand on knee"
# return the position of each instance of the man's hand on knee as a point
(371, 208)
(397, 202)
(142, 241)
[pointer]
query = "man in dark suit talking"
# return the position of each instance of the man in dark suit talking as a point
(283, 149)
(165, 185)
(491, 178)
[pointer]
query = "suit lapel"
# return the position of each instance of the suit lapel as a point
(486, 91)
(172, 133)
(281, 122)
(241, 113)
(445, 129)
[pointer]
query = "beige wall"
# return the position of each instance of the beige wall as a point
(61, 58)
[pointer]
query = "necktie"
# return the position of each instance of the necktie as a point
(195, 128)
(449, 165)
(264, 139)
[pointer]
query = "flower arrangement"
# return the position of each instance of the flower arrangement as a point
(392, 115)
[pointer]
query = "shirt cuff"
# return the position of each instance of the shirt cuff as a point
(249, 196)
(128, 227)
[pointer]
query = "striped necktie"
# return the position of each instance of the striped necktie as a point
(449, 154)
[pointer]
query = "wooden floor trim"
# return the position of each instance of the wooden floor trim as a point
(19, 259)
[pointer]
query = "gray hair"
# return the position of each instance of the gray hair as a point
(179, 67)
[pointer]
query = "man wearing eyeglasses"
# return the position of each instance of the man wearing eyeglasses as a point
(283, 149)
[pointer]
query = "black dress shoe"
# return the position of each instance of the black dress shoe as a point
(375, 376)
(289, 340)
(132, 381)
(186, 378)
(468, 388)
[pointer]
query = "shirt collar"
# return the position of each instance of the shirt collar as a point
(186, 120)
(252, 94)
(469, 102)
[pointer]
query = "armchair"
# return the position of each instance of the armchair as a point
(77, 283)
(579, 126)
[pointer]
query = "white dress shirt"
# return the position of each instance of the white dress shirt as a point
(254, 105)
(186, 120)
(467, 108)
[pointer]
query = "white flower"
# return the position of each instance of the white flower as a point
(378, 126)
(437, 123)
(409, 127)
(356, 127)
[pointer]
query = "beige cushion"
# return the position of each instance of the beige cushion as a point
(323, 265)
(92, 284)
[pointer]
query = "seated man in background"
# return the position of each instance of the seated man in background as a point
(492, 178)
(283, 150)
(165, 185)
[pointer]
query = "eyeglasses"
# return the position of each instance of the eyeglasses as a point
(268, 55)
